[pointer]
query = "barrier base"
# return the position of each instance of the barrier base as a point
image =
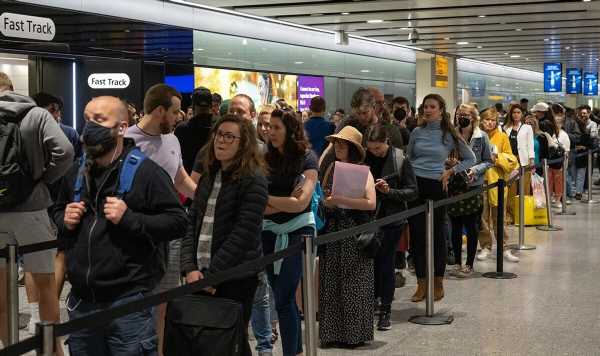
(432, 320)
(521, 247)
(566, 213)
(550, 228)
(499, 275)
(590, 202)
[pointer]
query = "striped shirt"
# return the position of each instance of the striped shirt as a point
(206, 231)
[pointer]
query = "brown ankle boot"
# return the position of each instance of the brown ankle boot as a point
(421, 290)
(438, 288)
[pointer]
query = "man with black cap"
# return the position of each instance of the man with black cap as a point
(194, 133)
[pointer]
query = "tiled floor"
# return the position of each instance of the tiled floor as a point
(552, 308)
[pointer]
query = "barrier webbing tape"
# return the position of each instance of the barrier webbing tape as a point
(368, 227)
(25, 249)
(585, 153)
(451, 200)
(22, 347)
(104, 317)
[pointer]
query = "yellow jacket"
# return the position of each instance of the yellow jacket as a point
(505, 164)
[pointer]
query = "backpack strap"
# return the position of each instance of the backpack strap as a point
(79, 180)
(132, 162)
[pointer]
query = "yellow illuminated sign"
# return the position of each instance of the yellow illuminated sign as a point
(440, 71)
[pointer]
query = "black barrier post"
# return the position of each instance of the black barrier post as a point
(46, 330)
(500, 274)
(12, 289)
(429, 318)
(565, 171)
(590, 167)
(550, 226)
(310, 314)
(521, 245)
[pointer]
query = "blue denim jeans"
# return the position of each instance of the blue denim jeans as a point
(261, 316)
(131, 335)
(580, 180)
(284, 288)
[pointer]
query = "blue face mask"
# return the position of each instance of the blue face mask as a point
(97, 139)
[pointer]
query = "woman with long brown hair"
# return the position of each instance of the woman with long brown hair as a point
(227, 212)
(429, 147)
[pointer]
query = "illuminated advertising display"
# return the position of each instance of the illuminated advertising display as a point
(552, 77)
(308, 88)
(573, 80)
(590, 84)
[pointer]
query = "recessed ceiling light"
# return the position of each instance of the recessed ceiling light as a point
(518, 29)
(365, 71)
(515, 56)
(462, 43)
(597, 59)
(546, 39)
(567, 47)
(199, 49)
(299, 62)
(526, 59)
(587, 0)
(506, 53)
(479, 46)
(345, 13)
(497, 85)
(404, 28)
(127, 30)
(447, 38)
(244, 42)
(375, 21)
(481, 16)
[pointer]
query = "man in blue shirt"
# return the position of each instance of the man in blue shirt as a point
(317, 128)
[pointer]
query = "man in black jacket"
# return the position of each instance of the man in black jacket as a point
(194, 134)
(111, 243)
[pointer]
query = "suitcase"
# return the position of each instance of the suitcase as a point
(533, 215)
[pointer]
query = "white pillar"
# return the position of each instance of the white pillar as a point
(424, 80)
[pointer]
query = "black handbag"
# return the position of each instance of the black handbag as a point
(203, 325)
(368, 244)
(458, 183)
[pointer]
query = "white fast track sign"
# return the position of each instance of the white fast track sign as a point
(24, 26)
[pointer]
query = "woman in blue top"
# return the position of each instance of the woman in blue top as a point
(292, 175)
(428, 149)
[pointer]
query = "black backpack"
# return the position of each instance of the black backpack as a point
(16, 182)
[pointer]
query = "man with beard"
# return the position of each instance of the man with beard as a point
(112, 258)
(154, 136)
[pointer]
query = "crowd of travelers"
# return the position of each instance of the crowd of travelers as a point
(141, 202)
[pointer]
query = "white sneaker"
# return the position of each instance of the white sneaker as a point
(557, 205)
(484, 254)
(34, 309)
(455, 271)
(510, 257)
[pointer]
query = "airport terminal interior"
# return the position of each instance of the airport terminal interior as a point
(514, 85)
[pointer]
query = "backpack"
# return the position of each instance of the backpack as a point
(16, 182)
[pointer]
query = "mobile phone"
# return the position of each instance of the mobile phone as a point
(299, 180)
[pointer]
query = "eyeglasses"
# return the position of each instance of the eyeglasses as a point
(225, 137)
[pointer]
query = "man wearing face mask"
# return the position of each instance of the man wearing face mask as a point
(112, 235)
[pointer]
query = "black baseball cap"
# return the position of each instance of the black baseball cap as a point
(202, 97)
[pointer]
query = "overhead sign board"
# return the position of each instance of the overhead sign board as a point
(439, 78)
(590, 84)
(573, 81)
(24, 26)
(108, 80)
(308, 88)
(552, 77)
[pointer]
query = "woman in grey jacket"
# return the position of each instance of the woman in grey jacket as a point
(465, 214)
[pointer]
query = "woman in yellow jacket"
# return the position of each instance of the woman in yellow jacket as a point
(505, 162)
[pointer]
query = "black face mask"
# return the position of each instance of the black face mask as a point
(464, 121)
(400, 114)
(97, 139)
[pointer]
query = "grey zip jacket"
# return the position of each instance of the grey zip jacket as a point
(48, 151)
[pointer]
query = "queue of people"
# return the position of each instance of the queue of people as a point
(249, 179)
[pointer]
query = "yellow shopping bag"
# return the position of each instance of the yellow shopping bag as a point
(533, 215)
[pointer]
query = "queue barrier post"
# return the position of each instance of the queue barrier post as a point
(429, 318)
(500, 274)
(590, 167)
(310, 313)
(521, 245)
(12, 289)
(550, 226)
(565, 168)
(46, 330)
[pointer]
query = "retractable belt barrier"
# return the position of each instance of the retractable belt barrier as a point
(104, 317)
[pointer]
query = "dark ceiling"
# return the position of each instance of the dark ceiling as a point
(82, 34)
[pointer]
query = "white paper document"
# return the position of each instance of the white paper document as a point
(349, 180)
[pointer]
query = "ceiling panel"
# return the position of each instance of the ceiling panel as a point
(548, 30)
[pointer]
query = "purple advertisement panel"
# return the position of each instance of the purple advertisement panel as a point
(308, 88)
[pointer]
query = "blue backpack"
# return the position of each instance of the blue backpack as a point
(132, 162)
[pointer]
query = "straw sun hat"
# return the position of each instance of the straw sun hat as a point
(351, 135)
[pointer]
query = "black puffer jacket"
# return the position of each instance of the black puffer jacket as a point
(403, 188)
(107, 261)
(237, 227)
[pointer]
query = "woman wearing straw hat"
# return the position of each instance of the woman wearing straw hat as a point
(347, 277)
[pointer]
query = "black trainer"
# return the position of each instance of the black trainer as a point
(384, 322)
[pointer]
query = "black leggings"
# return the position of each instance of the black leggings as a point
(469, 222)
(429, 189)
(384, 265)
